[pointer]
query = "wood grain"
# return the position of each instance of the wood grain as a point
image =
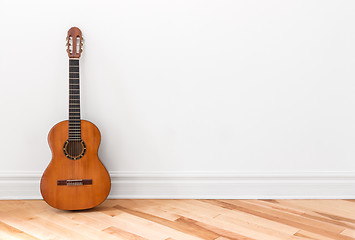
(74, 33)
(87, 167)
(131, 219)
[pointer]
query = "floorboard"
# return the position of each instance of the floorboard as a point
(185, 219)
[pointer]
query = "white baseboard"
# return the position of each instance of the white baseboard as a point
(227, 185)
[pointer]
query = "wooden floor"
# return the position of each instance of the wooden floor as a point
(182, 219)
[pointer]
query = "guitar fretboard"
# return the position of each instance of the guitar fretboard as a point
(74, 100)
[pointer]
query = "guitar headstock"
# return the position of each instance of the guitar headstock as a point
(74, 43)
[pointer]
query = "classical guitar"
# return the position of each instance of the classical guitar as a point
(75, 178)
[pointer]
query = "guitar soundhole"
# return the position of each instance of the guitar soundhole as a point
(74, 149)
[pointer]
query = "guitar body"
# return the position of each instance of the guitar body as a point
(73, 194)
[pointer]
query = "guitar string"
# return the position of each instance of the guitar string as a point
(75, 147)
(78, 115)
(78, 121)
(70, 103)
(70, 121)
(72, 131)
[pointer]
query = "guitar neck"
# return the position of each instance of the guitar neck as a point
(74, 100)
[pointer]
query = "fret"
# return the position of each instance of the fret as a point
(74, 81)
(74, 69)
(74, 87)
(74, 97)
(73, 75)
(73, 62)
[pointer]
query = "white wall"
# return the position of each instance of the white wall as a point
(185, 85)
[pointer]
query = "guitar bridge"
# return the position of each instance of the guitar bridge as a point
(74, 182)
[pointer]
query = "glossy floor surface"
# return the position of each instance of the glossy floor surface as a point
(182, 219)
